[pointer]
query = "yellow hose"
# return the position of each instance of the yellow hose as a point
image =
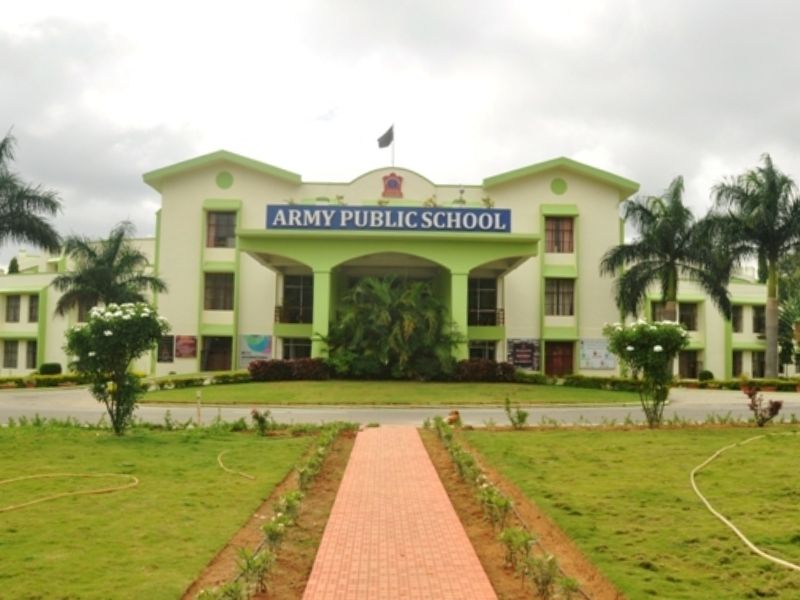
(748, 543)
(133, 482)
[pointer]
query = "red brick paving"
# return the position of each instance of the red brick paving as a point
(393, 532)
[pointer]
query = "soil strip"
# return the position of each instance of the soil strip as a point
(484, 536)
(299, 546)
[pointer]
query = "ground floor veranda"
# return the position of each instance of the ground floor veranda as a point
(324, 265)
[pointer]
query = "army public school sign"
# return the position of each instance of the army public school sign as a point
(370, 218)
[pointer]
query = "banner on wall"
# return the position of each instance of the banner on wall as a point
(524, 353)
(394, 218)
(254, 347)
(596, 355)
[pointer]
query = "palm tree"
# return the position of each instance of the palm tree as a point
(671, 245)
(761, 211)
(22, 206)
(391, 327)
(105, 271)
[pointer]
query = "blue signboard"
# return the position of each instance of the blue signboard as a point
(396, 218)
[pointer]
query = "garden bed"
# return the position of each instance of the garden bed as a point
(624, 498)
(148, 541)
(295, 557)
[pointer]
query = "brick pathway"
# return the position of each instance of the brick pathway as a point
(393, 533)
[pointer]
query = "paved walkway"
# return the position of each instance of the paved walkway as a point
(393, 533)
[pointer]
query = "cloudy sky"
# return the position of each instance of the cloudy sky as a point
(98, 93)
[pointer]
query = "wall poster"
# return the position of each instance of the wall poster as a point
(254, 347)
(596, 355)
(524, 353)
(185, 346)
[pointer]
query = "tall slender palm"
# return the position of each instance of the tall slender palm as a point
(105, 271)
(761, 211)
(24, 207)
(671, 245)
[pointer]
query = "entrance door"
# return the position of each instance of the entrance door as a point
(558, 359)
(216, 354)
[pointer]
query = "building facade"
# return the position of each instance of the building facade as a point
(257, 261)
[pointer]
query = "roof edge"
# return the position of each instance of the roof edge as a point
(155, 178)
(625, 186)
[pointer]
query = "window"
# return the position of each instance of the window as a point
(30, 354)
(296, 348)
(736, 319)
(558, 297)
(759, 319)
(10, 350)
(737, 363)
(221, 230)
(759, 364)
(166, 349)
(658, 310)
(482, 350)
(687, 316)
(482, 302)
(218, 291)
(687, 364)
(33, 308)
(298, 299)
(12, 309)
(558, 234)
(83, 311)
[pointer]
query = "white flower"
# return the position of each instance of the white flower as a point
(657, 348)
(126, 317)
(92, 353)
(652, 328)
(629, 348)
(108, 333)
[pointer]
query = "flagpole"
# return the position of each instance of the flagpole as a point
(392, 145)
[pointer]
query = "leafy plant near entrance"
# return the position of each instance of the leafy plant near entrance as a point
(649, 349)
(394, 328)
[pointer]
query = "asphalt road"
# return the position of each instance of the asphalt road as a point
(693, 405)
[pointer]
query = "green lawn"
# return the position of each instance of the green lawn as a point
(395, 393)
(625, 498)
(150, 541)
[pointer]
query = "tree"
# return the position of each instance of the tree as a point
(391, 327)
(760, 211)
(671, 245)
(24, 207)
(105, 271)
(106, 346)
(649, 350)
(13, 266)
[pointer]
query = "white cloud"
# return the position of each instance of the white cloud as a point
(105, 91)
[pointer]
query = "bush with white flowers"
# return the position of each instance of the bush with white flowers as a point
(104, 349)
(649, 350)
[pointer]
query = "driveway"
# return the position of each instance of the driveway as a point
(690, 404)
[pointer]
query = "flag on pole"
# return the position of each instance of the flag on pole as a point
(387, 138)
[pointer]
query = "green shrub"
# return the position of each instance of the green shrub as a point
(50, 369)
(705, 375)
(532, 377)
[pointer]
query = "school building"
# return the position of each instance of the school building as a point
(257, 261)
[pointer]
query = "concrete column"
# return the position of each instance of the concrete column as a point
(321, 314)
(458, 311)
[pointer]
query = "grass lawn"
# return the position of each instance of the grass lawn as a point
(625, 498)
(394, 393)
(150, 541)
